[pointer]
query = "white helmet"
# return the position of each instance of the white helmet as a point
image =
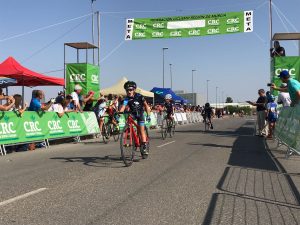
(168, 96)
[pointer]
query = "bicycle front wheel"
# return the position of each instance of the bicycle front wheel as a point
(127, 146)
(115, 133)
(105, 133)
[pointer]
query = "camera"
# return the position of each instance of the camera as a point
(269, 84)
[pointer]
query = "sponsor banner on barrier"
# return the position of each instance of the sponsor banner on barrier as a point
(35, 126)
(290, 63)
(288, 127)
(189, 26)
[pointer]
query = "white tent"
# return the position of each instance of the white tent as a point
(118, 89)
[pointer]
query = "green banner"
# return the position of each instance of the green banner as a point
(287, 127)
(35, 126)
(86, 75)
(290, 63)
(189, 26)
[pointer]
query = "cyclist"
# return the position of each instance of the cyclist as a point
(100, 109)
(136, 103)
(112, 111)
(169, 107)
(207, 114)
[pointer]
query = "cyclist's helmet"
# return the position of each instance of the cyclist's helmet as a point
(129, 84)
(168, 96)
(207, 104)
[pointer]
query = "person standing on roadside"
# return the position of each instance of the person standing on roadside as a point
(293, 87)
(261, 112)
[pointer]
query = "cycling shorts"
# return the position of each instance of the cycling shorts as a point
(140, 118)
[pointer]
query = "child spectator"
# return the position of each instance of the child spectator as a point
(271, 116)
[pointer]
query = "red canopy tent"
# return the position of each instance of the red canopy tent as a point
(25, 77)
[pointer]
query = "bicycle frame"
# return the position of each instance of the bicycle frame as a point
(133, 134)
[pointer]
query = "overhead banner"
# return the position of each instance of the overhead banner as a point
(84, 74)
(290, 63)
(189, 26)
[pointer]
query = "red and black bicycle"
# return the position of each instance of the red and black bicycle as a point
(130, 141)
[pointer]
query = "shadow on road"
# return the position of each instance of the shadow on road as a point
(256, 189)
(210, 145)
(111, 161)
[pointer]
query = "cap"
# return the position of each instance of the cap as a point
(77, 87)
(284, 74)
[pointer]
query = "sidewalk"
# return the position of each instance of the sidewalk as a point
(259, 186)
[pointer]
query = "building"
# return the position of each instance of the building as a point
(193, 98)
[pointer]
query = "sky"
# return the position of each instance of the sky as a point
(238, 64)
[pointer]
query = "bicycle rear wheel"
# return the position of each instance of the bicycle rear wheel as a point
(105, 133)
(172, 133)
(127, 146)
(115, 133)
(206, 126)
(164, 129)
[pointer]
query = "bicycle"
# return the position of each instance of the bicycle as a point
(168, 126)
(130, 141)
(109, 129)
(207, 124)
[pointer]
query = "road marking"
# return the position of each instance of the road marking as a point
(165, 144)
(22, 196)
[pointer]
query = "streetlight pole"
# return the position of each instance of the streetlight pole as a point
(193, 86)
(164, 66)
(216, 98)
(171, 76)
(207, 90)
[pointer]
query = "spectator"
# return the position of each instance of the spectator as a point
(36, 105)
(277, 50)
(89, 102)
(57, 106)
(271, 116)
(284, 97)
(68, 104)
(10, 103)
(18, 104)
(75, 95)
(261, 112)
(293, 87)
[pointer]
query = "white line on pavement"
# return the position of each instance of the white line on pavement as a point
(22, 196)
(165, 144)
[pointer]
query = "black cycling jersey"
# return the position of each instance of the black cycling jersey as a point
(207, 111)
(135, 103)
(169, 107)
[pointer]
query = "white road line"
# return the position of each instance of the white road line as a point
(22, 196)
(165, 144)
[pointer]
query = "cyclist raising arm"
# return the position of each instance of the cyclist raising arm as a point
(136, 104)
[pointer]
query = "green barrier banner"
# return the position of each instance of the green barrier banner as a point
(35, 126)
(288, 127)
(290, 63)
(86, 75)
(189, 26)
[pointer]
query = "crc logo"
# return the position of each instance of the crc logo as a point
(95, 78)
(140, 35)
(213, 22)
(32, 127)
(77, 77)
(73, 124)
(233, 21)
(157, 34)
(158, 25)
(54, 125)
(140, 26)
(213, 31)
(292, 71)
(7, 128)
(194, 32)
(175, 34)
(232, 29)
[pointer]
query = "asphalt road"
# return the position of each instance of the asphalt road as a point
(225, 176)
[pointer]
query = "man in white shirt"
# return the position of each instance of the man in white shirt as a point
(57, 107)
(75, 95)
(284, 97)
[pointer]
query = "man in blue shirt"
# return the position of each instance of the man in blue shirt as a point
(36, 105)
(293, 87)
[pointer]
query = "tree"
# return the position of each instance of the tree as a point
(229, 100)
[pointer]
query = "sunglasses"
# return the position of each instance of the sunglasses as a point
(130, 89)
